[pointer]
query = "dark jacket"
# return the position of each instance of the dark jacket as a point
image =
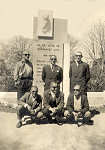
(59, 100)
(84, 103)
(48, 75)
(28, 99)
(79, 75)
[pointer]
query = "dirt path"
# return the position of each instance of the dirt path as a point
(51, 136)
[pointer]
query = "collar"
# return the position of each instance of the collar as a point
(52, 65)
(78, 97)
(35, 96)
(51, 93)
(78, 62)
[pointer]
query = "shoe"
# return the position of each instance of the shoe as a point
(19, 124)
(79, 124)
(89, 122)
(58, 122)
(37, 121)
(32, 120)
(50, 121)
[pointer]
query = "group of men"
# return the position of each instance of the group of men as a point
(30, 102)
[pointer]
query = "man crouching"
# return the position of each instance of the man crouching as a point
(53, 103)
(30, 104)
(77, 107)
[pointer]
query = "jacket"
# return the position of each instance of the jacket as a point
(59, 100)
(84, 103)
(28, 99)
(79, 75)
(48, 75)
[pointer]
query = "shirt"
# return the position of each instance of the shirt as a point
(53, 95)
(23, 69)
(27, 70)
(77, 103)
(52, 67)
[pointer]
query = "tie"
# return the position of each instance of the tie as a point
(52, 68)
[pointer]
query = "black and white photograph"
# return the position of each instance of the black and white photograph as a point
(52, 75)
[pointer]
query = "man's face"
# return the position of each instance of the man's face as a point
(53, 60)
(78, 57)
(77, 90)
(34, 91)
(26, 56)
(54, 88)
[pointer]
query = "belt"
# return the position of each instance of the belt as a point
(24, 78)
(76, 111)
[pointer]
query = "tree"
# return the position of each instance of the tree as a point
(95, 47)
(13, 52)
(73, 43)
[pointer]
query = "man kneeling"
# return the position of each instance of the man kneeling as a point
(30, 104)
(53, 103)
(77, 107)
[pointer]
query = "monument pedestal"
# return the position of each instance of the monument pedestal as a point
(44, 47)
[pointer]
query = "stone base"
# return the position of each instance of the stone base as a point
(96, 99)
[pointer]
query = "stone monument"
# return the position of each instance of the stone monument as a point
(53, 40)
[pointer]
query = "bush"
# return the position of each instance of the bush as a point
(97, 81)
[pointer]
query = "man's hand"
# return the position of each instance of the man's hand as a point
(20, 75)
(79, 114)
(52, 109)
(66, 113)
(17, 83)
(28, 107)
(33, 112)
(75, 115)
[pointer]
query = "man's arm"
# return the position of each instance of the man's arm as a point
(69, 105)
(60, 75)
(32, 71)
(43, 74)
(87, 73)
(22, 100)
(61, 104)
(16, 72)
(40, 105)
(45, 101)
(70, 75)
(70, 71)
(85, 104)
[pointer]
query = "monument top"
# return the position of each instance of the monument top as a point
(58, 29)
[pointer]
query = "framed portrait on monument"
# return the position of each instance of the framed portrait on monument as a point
(45, 24)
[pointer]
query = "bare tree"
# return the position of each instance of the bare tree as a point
(95, 47)
(95, 43)
(13, 50)
(73, 43)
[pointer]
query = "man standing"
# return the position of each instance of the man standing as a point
(30, 104)
(53, 103)
(77, 106)
(79, 73)
(51, 73)
(23, 75)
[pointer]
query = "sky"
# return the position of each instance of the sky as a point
(16, 16)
